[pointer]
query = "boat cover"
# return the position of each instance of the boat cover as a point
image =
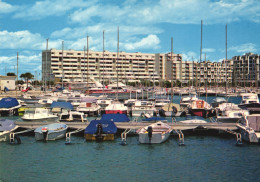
(8, 102)
(108, 127)
(6, 125)
(115, 117)
(63, 105)
(154, 119)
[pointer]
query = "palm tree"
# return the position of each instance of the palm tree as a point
(27, 76)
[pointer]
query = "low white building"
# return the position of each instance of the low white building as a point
(7, 81)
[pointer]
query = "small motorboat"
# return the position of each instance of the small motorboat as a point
(201, 108)
(6, 127)
(232, 116)
(72, 116)
(155, 133)
(140, 108)
(89, 109)
(9, 106)
(249, 127)
(51, 131)
(116, 108)
(39, 114)
(100, 130)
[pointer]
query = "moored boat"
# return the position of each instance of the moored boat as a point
(201, 108)
(100, 130)
(9, 106)
(39, 114)
(157, 132)
(6, 127)
(116, 108)
(52, 131)
(249, 127)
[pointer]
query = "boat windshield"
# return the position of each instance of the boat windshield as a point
(76, 116)
(29, 111)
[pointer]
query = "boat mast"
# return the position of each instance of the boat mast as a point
(103, 58)
(226, 64)
(83, 79)
(200, 55)
(16, 77)
(192, 71)
(46, 66)
(171, 71)
(117, 63)
(206, 80)
(62, 63)
(87, 61)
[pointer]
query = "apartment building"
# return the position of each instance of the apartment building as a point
(246, 69)
(78, 66)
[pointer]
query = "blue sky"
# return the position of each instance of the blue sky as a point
(145, 26)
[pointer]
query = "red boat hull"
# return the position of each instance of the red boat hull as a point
(115, 112)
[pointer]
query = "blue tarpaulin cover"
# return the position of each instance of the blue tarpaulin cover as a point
(6, 125)
(108, 127)
(63, 105)
(8, 102)
(115, 117)
(154, 119)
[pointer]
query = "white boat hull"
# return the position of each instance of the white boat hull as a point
(156, 137)
(138, 113)
(55, 118)
(51, 136)
(249, 136)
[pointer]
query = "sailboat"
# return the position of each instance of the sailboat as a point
(116, 106)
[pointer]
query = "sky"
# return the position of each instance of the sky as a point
(144, 26)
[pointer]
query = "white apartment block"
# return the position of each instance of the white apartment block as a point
(78, 67)
(133, 67)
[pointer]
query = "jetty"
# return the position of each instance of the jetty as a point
(137, 125)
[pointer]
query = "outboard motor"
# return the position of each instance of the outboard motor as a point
(150, 133)
(99, 133)
(45, 133)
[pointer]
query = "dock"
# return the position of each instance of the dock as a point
(127, 127)
(136, 125)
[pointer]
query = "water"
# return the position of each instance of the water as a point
(203, 158)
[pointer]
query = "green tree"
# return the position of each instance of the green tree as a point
(27, 76)
(10, 74)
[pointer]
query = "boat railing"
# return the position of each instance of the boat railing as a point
(68, 135)
(124, 136)
(13, 136)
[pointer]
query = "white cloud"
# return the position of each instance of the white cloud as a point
(20, 40)
(42, 9)
(29, 63)
(171, 11)
(6, 8)
(149, 42)
(244, 48)
(208, 50)
(189, 56)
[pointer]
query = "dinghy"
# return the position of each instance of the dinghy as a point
(51, 131)
(100, 130)
(158, 132)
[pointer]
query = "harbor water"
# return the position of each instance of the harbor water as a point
(203, 158)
